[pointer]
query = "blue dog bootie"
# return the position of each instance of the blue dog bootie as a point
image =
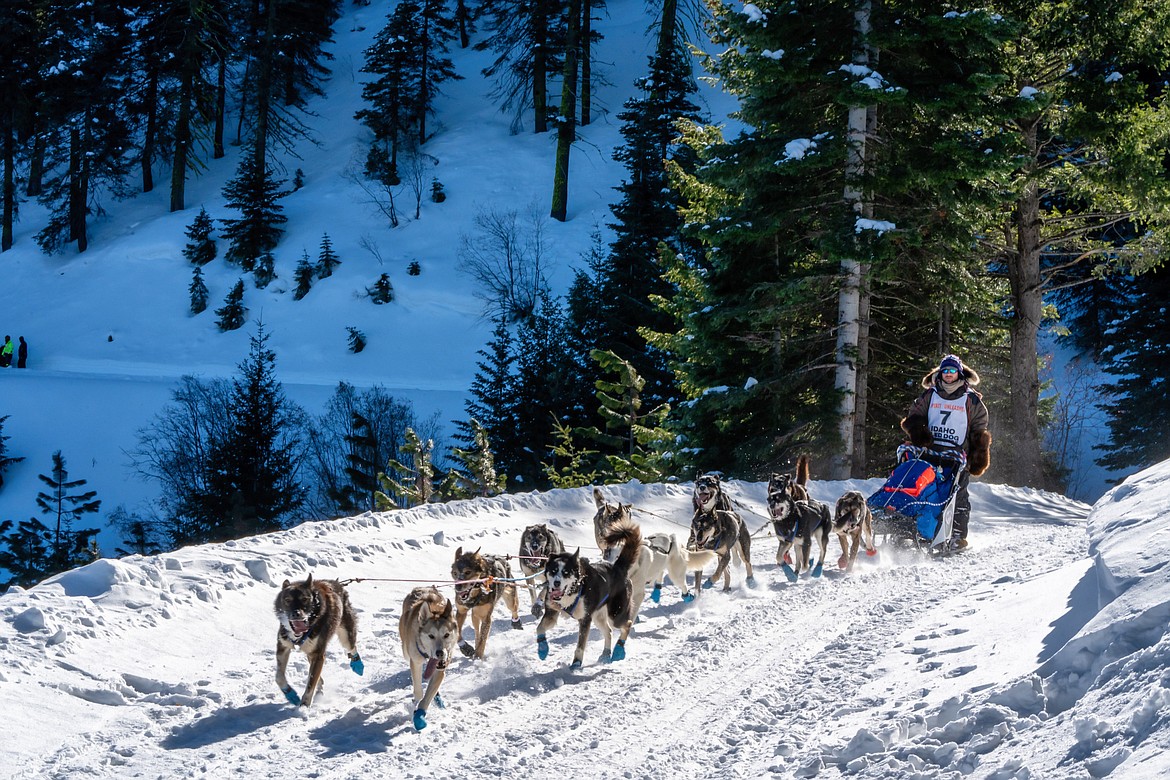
(688, 598)
(656, 594)
(420, 720)
(619, 651)
(355, 663)
(541, 647)
(292, 697)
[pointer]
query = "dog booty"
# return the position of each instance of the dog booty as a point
(750, 582)
(789, 572)
(688, 598)
(541, 647)
(656, 594)
(516, 624)
(439, 702)
(292, 697)
(709, 583)
(420, 720)
(819, 569)
(355, 663)
(619, 652)
(574, 666)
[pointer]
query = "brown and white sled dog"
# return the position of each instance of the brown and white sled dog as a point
(795, 485)
(607, 517)
(853, 524)
(592, 592)
(480, 581)
(536, 544)
(311, 612)
(796, 524)
(428, 634)
(721, 531)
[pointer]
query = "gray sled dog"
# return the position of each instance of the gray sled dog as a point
(721, 531)
(607, 517)
(428, 633)
(853, 524)
(592, 593)
(536, 544)
(480, 581)
(796, 524)
(311, 612)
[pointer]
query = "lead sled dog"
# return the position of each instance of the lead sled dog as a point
(311, 612)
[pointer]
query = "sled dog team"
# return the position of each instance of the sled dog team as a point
(607, 594)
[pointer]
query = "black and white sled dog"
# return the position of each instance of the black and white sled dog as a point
(853, 524)
(721, 531)
(428, 634)
(537, 543)
(481, 581)
(592, 592)
(796, 524)
(607, 517)
(795, 484)
(311, 612)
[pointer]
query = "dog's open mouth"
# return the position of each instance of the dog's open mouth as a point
(556, 593)
(299, 626)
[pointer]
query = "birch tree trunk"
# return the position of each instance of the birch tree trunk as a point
(849, 297)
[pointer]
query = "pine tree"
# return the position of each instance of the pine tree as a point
(476, 475)
(359, 492)
(256, 194)
(303, 276)
(200, 249)
(382, 291)
(139, 535)
(6, 461)
(265, 271)
(88, 137)
(26, 552)
(437, 30)
(528, 38)
(574, 465)
(1136, 356)
(252, 484)
(393, 95)
(407, 484)
(641, 435)
(198, 291)
(356, 339)
(327, 260)
(67, 547)
(233, 314)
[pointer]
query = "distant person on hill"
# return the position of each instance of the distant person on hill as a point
(22, 354)
(6, 352)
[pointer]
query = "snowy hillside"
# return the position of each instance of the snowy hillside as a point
(1022, 658)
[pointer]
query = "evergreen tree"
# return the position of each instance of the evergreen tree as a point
(265, 271)
(233, 314)
(256, 194)
(6, 461)
(18, 85)
(408, 484)
(356, 340)
(574, 465)
(87, 136)
(252, 483)
(1136, 356)
(26, 552)
(476, 474)
(139, 535)
(381, 291)
(198, 291)
(648, 213)
(641, 435)
(528, 38)
(68, 547)
(327, 260)
(200, 248)
(393, 96)
(359, 492)
(491, 395)
(303, 276)
(437, 30)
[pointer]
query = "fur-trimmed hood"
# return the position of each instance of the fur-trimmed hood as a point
(967, 372)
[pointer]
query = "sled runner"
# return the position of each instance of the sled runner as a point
(916, 505)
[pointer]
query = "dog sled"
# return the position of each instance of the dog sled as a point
(916, 506)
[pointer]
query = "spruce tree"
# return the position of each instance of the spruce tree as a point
(359, 491)
(265, 271)
(256, 194)
(251, 482)
(437, 30)
(68, 547)
(475, 475)
(26, 552)
(381, 291)
(1136, 357)
(200, 248)
(233, 314)
(356, 339)
(327, 260)
(303, 276)
(411, 483)
(197, 291)
(393, 96)
(6, 461)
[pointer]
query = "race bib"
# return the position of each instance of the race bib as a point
(948, 420)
